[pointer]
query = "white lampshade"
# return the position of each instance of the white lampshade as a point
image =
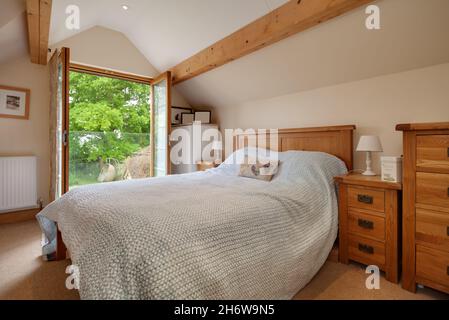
(369, 143)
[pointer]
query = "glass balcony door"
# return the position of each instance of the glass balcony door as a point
(161, 124)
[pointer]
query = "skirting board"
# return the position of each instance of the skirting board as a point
(19, 216)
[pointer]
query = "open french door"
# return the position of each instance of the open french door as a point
(161, 124)
(59, 75)
(59, 78)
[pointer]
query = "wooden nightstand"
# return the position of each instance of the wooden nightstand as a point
(370, 222)
(203, 165)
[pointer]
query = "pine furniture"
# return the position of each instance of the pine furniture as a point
(369, 219)
(426, 206)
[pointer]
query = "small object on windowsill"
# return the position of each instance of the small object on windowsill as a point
(369, 144)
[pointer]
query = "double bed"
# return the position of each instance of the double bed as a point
(213, 234)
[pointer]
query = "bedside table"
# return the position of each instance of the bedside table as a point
(203, 165)
(370, 222)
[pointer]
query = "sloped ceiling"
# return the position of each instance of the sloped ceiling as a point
(13, 32)
(166, 31)
(10, 10)
(413, 34)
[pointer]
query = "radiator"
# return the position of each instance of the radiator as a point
(18, 189)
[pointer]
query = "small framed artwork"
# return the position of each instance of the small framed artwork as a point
(14, 103)
(203, 116)
(187, 118)
(176, 113)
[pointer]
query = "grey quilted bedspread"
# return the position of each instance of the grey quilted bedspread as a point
(208, 235)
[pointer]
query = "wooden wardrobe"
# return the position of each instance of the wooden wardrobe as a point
(425, 247)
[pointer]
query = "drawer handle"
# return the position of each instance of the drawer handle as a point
(366, 224)
(366, 199)
(447, 231)
(366, 249)
(447, 271)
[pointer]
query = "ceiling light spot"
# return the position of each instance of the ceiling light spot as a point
(125, 7)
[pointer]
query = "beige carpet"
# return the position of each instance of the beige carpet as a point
(23, 274)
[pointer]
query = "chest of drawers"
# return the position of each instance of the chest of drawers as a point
(425, 206)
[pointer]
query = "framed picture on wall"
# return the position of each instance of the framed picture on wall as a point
(203, 116)
(187, 118)
(14, 103)
(176, 114)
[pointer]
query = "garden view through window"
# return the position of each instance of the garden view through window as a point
(109, 129)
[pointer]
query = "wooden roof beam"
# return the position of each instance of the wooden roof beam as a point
(38, 18)
(293, 17)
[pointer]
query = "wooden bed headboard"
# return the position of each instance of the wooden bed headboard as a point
(335, 140)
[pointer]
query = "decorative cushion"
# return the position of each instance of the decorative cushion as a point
(261, 170)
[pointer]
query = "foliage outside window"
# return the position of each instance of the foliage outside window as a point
(109, 127)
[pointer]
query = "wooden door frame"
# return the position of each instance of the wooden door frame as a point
(168, 78)
(82, 68)
(64, 57)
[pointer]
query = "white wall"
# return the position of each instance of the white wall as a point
(375, 105)
(29, 137)
(414, 34)
(109, 49)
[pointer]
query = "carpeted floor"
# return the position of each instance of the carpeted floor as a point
(23, 274)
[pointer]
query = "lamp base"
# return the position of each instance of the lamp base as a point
(369, 171)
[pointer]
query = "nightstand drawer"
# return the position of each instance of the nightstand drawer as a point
(363, 224)
(366, 251)
(364, 198)
(432, 189)
(432, 265)
(433, 228)
(432, 153)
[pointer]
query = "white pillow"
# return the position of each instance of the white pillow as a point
(232, 164)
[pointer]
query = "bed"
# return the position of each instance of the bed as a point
(213, 234)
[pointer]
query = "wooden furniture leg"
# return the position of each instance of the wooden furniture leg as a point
(61, 250)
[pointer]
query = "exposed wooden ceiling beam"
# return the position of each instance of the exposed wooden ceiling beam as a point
(33, 29)
(38, 17)
(291, 18)
(44, 27)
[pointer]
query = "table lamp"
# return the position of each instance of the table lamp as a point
(369, 144)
